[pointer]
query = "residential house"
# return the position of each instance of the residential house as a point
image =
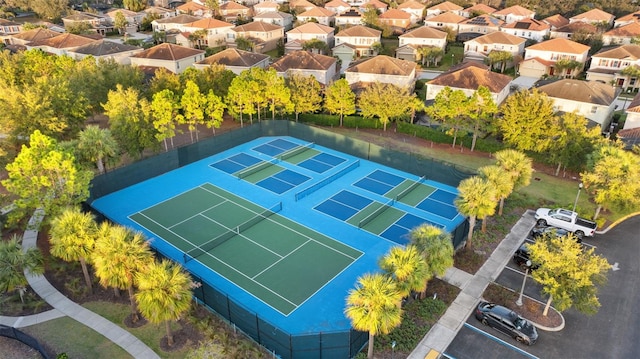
(595, 17)
(442, 8)
(337, 6)
(194, 8)
(477, 26)
(633, 114)
(235, 60)
(265, 6)
(556, 21)
(398, 20)
(306, 63)
(310, 31)
(607, 66)
(382, 69)
(627, 19)
(362, 37)
(322, 15)
(531, 29)
(378, 5)
(231, 11)
(301, 5)
(264, 36)
(621, 35)
(133, 18)
(160, 12)
(32, 35)
(101, 24)
(172, 57)
(468, 77)
(446, 20)
(179, 23)
(106, 50)
(480, 47)
(413, 8)
(591, 99)
(8, 28)
(477, 9)
(409, 43)
(574, 30)
(216, 32)
(276, 18)
(61, 44)
(514, 13)
(539, 59)
(349, 17)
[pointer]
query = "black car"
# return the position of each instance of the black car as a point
(521, 256)
(507, 321)
(540, 231)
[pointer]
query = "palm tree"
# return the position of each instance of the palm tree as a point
(407, 267)
(118, 256)
(436, 247)
(373, 306)
(476, 199)
(98, 145)
(517, 164)
(14, 262)
(72, 237)
(164, 293)
(501, 181)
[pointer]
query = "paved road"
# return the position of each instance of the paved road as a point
(611, 333)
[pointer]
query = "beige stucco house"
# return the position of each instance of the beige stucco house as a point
(172, 57)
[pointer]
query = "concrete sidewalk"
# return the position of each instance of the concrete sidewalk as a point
(472, 286)
(65, 307)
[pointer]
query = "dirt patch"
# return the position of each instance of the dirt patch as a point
(530, 309)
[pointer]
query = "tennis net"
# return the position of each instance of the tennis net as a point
(366, 220)
(230, 233)
(294, 151)
(316, 186)
(407, 190)
(255, 168)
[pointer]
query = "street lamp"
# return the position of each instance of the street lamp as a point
(452, 56)
(575, 204)
(524, 280)
(393, 345)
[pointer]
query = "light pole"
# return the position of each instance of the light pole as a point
(452, 56)
(393, 346)
(524, 280)
(575, 204)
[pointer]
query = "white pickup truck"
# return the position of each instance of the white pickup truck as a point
(565, 219)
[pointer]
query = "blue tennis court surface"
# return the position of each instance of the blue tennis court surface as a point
(361, 204)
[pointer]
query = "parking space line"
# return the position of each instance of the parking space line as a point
(498, 340)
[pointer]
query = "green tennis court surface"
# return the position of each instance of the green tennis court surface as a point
(275, 259)
(410, 192)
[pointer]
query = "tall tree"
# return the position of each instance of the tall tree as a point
(167, 80)
(134, 5)
(44, 176)
(501, 180)
(339, 99)
(483, 109)
(429, 54)
(573, 142)
(164, 293)
(568, 273)
(214, 110)
(517, 165)
(373, 306)
(276, 93)
(500, 57)
(14, 262)
(193, 103)
(451, 107)
(306, 94)
(72, 237)
(611, 177)
(51, 10)
(385, 101)
(98, 145)
(527, 122)
(476, 199)
(164, 108)
(238, 99)
(436, 247)
(130, 120)
(119, 255)
(213, 6)
(120, 22)
(408, 269)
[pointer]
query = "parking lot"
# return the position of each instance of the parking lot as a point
(611, 333)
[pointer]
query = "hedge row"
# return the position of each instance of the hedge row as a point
(321, 119)
(439, 135)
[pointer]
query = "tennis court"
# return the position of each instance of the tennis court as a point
(226, 233)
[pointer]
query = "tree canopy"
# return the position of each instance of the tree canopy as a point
(387, 102)
(527, 122)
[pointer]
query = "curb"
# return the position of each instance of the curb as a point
(612, 225)
(545, 328)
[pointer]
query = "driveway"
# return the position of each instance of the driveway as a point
(611, 333)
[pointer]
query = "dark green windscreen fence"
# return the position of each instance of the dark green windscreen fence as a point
(317, 345)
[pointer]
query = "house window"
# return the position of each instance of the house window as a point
(603, 63)
(632, 81)
(615, 63)
(594, 109)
